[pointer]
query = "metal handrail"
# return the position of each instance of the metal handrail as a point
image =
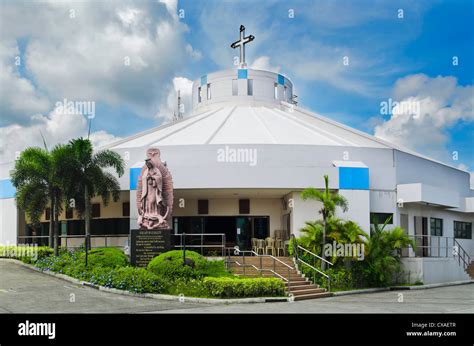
(314, 268)
(297, 247)
(460, 252)
(261, 269)
(72, 236)
(266, 255)
(201, 245)
(464, 253)
(302, 248)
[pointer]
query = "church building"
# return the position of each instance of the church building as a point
(241, 159)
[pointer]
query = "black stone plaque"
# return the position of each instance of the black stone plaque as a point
(147, 244)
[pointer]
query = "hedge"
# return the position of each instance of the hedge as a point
(244, 287)
(108, 257)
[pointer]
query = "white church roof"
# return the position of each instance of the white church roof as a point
(248, 124)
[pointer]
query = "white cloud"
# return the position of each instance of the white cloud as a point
(442, 103)
(117, 54)
(113, 52)
(263, 63)
(18, 96)
(54, 127)
(193, 53)
(168, 108)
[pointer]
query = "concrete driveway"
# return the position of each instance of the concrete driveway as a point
(25, 291)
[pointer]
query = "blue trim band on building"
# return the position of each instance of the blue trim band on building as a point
(134, 173)
(7, 190)
(203, 80)
(242, 74)
(354, 178)
(281, 80)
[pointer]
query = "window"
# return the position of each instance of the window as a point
(276, 91)
(436, 227)
(235, 87)
(250, 87)
(380, 218)
(96, 210)
(285, 91)
(244, 206)
(203, 206)
(126, 209)
(462, 230)
(69, 213)
(199, 94)
(209, 91)
(47, 214)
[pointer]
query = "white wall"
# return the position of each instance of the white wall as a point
(303, 211)
(359, 208)
(8, 221)
(431, 270)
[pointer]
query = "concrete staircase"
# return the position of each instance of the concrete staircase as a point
(300, 287)
(470, 270)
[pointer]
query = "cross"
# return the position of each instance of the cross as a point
(241, 43)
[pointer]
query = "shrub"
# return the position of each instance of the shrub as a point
(216, 269)
(106, 268)
(108, 257)
(137, 280)
(26, 253)
(341, 278)
(170, 265)
(59, 263)
(245, 287)
(188, 287)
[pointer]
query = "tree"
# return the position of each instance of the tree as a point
(312, 236)
(89, 178)
(383, 255)
(39, 177)
(330, 201)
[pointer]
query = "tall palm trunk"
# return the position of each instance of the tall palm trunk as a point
(87, 216)
(51, 223)
(323, 264)
(56, 225)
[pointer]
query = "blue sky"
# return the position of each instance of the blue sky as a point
(408, 58)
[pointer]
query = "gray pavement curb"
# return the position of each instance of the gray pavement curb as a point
(428, 286)
(361, 291)
(151, 295)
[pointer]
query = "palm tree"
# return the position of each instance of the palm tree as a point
(39, 179)
(330, 201)
(89, 179)
(382, 258)
(345, 232)
(33, 185)
(312, 236)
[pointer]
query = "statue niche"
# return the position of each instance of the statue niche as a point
(154, 193)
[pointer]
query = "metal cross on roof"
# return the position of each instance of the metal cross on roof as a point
(241, 43)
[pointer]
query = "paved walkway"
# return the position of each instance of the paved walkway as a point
(24, 290)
